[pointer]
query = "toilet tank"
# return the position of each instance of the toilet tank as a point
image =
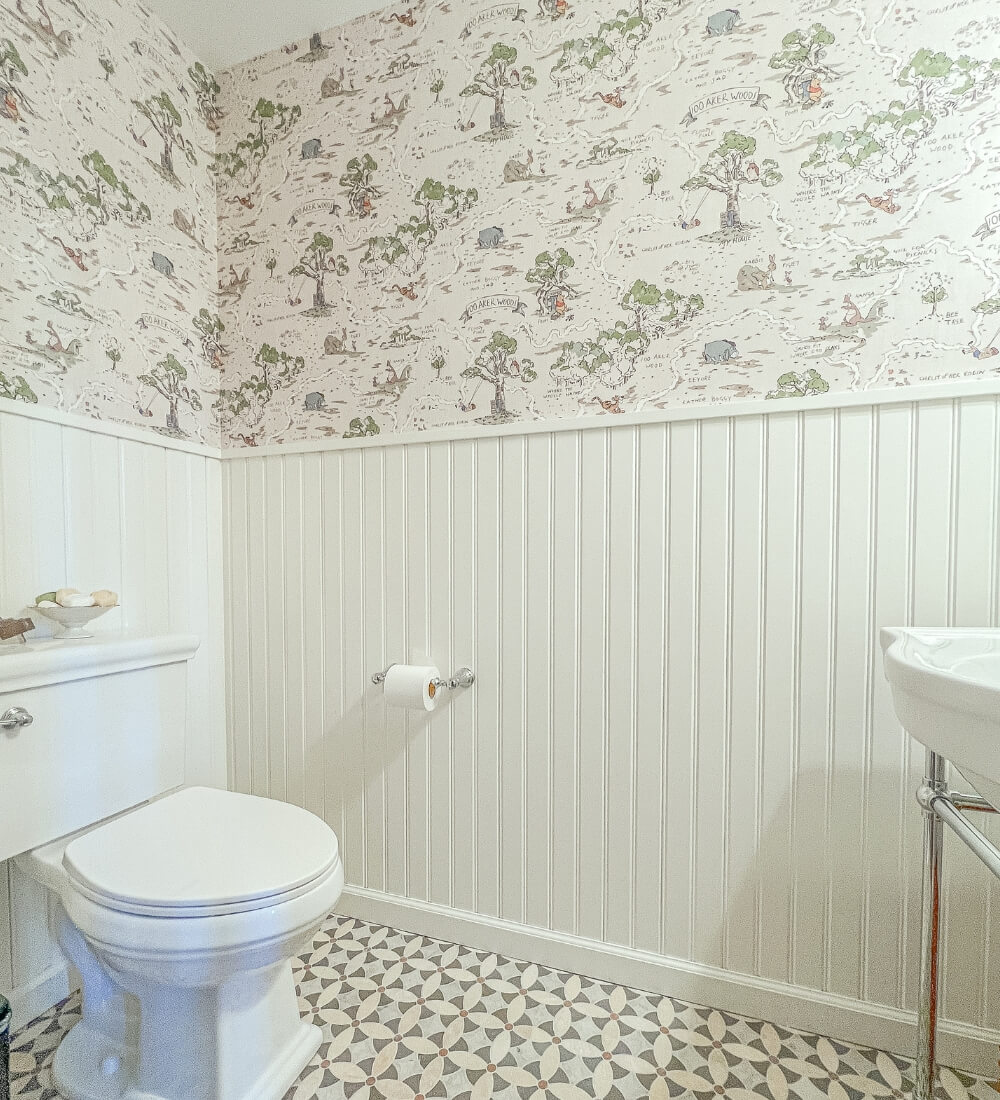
(107, 731)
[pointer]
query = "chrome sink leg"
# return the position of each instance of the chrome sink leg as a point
(930, 928)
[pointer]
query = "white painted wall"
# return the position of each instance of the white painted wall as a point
(679, 766)
(88, 509)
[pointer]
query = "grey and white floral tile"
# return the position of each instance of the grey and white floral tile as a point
(410, 1018)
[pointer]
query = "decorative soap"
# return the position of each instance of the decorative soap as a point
(104, 597)
(77, 599)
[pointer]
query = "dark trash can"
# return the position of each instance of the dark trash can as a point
(4, 1050)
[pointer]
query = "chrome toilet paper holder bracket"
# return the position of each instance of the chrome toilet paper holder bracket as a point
(463, 678)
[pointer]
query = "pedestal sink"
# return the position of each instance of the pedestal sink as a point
(946, 692)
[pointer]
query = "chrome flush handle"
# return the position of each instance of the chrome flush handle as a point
(15, 718)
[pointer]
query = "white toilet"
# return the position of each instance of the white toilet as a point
(181, 917)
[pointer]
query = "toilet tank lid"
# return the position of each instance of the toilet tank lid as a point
(202, 847)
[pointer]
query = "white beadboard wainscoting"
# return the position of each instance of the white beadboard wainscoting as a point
(679, 766)
(82, 507)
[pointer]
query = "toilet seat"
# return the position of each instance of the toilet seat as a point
(216, 853)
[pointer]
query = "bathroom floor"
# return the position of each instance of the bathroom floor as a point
(406, 1017)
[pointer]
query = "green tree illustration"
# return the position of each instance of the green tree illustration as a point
(652, 178)
(681, 307)
(98, 194)
(642, 299)
(169, 379)
(496, 365)
(934, 84)
(271, 263)
(496, 76)
(17, 389)
(801, 58)
(358, 183)
(405, 247)
(166, 120)
(269, 121)
(806, 384)
(437, 85)
(612, 49)
(114, 352)
(613, 354)
(206, 93)
(316, 262)
(440, 202)
(729, 168)
(105, 192)
(248, 401)
(210, 329)
(550, 277)
(12, 68)
(933, 297)
(358, 428)
(873, 260)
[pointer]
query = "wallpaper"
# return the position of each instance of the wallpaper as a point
(107, 202)
(474, 214)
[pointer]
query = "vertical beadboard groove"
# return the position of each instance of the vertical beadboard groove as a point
(734, 745)
(758, 779)
(661, 815)
(607, 793)
(796, 690)
(727, 691)
(635, 476)
(830, 755)
(550, 709)
(523, 677)
(693, 730)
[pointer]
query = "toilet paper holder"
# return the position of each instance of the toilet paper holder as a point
(463, 678)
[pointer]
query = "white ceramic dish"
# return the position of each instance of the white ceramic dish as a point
(72, 620)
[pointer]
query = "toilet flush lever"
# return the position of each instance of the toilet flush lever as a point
(15, 718)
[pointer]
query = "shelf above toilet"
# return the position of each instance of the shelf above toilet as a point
(53, 661)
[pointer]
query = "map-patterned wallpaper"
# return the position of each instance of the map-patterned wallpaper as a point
(469, 214)
(460, 215)
(107, 202)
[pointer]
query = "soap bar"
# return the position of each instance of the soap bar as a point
(64, 594)
(104, 597)
(78, 599)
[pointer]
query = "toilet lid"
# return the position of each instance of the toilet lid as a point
(202, 849)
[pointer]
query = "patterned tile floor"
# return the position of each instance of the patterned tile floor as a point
(408, 1018)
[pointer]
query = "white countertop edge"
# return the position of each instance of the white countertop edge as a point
(51, 661)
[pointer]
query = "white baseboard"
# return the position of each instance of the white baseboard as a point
(961, 1045)
(48, 989)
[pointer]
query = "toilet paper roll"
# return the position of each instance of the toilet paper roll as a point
(413, 686)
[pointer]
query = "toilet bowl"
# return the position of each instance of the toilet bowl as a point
(181, 917)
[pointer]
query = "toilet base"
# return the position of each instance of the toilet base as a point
(243, 1040)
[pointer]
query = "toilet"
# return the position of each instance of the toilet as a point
(180, 914)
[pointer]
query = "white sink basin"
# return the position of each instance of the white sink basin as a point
(946, 691)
